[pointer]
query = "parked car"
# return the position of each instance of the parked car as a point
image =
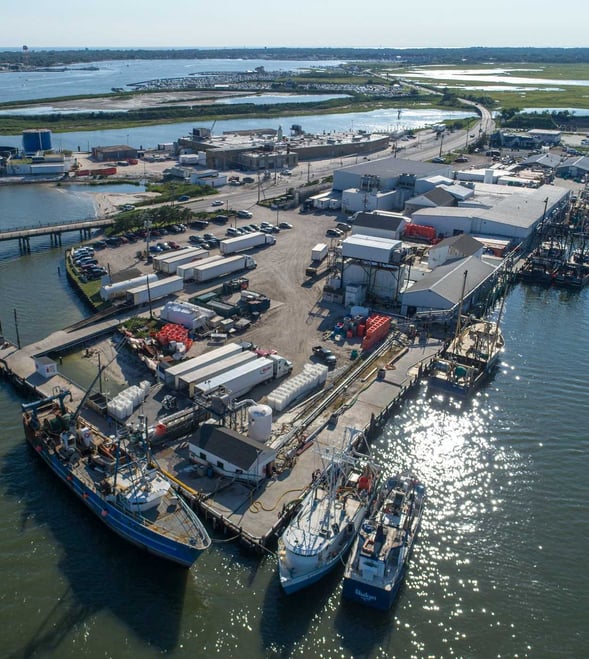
(325, 355)
(285, 225)
(335, 233)
(342, 226)
(244, 214)
(461, 159)
(220, 219)
(155, 249)
(174, 245)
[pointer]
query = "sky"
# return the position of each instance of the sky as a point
(303, 23)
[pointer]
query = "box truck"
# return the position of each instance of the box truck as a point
(318, 255)
(154, 291)
(249, 241)
(242, 379)
(223, 267)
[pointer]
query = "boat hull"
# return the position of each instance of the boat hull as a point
(124, 525)
(370, 595)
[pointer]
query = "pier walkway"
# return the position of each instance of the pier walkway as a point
(258, 515)
(54, 231)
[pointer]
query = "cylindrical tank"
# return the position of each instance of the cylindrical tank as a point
(36, 139)
(259, 423)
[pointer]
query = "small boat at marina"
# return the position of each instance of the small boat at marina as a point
(117, 479)
(382, 549)
(572, 274)
(329, 517)
(470, 359)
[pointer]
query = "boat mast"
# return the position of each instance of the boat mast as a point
(458, 320)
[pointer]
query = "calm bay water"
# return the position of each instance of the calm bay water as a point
(499, 569)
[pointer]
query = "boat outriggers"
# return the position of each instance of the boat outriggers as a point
(380, 554)
(116, 478)
(329, 517)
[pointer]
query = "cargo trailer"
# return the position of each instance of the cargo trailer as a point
(240, 380)
(170, 374)
(249, 241)
(226, 266)
(202, 374)
(186, 270)
(168, 263)
(155, 291)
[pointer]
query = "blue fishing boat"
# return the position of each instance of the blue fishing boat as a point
(381, 551)
(117, 479)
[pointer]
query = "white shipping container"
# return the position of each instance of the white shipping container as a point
(226, 266)
(240, 380)
(155, 291)
(186, 270)
(171, 374)
(168, 263)
(192, 378)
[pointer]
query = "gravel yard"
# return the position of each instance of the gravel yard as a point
(297, 319)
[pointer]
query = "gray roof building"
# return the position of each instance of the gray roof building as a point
(441, 289)
(231, 453)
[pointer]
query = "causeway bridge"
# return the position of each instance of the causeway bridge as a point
(54, 231)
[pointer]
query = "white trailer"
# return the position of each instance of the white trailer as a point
(168, 263)
(120, 288)
(240, 380)
(171, 374)
(319, 252)
(225, 266)
(186, 270)
(202, 374)
(155, 291)
(249, 241)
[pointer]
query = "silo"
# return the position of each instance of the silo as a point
(259, 423)
(36, 139)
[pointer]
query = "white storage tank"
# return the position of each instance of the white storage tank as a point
(259, 423)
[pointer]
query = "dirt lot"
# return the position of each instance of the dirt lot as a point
(297, 319)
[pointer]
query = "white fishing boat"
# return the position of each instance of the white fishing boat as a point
(329, 517)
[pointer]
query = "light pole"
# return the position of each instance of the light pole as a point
(147, 226)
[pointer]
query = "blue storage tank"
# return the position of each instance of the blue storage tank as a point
(36, 139)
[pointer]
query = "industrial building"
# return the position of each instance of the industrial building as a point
(441, 289)
(384, 184)
(576, 167)
(380, 224)
(228, 453)
(499, 211)
(454, 248)
(113, 153)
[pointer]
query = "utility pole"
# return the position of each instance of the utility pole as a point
(16, 328)
(441, 144)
